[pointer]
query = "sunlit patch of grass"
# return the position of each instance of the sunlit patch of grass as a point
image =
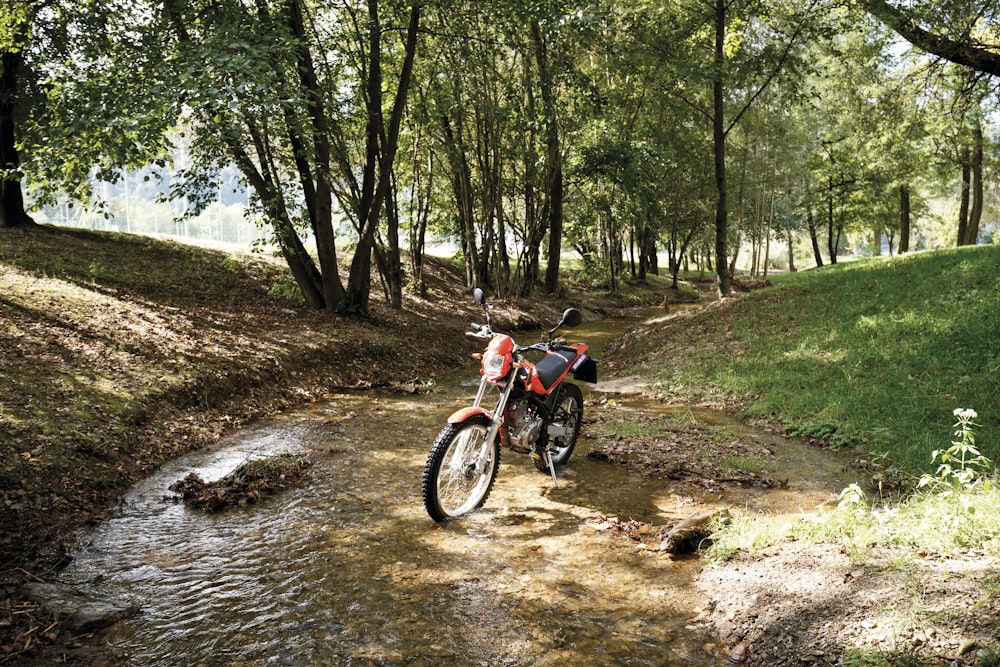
(987, 656)
(936, 523)
(746, 533)
(868, 355)
(633, 428)
(750, 464)
(856, 657)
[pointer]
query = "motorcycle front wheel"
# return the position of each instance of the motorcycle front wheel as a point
(453, 482)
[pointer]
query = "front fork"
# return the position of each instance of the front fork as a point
(496, 419)
(496, 422)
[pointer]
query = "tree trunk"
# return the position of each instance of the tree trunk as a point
(772, 192)
(461, 186)
(904, 219)
(390, 259)
(976, 212)
(553, 161)
(791, 249)
(304, 271)
(418, 214)
(963, 208)
(380, 155)
(316, 182)
(832, 238)
(719, 145)
(811, 222)
(736, 254)
(12, 213)
(964, 52)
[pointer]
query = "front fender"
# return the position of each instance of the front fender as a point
(465, 413)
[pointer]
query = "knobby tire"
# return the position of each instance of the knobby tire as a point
(451, 487)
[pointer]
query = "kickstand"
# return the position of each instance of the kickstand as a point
(552, 469)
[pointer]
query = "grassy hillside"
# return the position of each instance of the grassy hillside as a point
(874, 354)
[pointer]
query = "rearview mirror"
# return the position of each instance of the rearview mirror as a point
(572, 317)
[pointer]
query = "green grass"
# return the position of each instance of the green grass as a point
(873, 354)
(941, 523)
(985, 657)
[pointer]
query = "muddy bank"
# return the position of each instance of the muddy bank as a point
(813, 605)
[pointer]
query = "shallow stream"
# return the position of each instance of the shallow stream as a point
(347, 569)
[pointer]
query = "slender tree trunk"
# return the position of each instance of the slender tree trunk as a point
(316, 183)
(736, 255)
(12, 213)
(461, 185)
(264, 183)
(719, 145)
(976, 211)
(772, 193)
(814, 237)
(791, 249)
(382, 145)
(963, 209)
(904, 219)
(553, 161)
(832, 237)
(390, 259)
(419, 210)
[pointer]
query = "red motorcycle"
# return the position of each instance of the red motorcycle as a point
(537, 413)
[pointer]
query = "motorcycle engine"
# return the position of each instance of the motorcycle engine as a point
(523, 426)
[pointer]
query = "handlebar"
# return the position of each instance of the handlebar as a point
(485, 331)
(545, 347)
(480, 331)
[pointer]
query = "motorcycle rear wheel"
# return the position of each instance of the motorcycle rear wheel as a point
(569, 413)
(451, 485)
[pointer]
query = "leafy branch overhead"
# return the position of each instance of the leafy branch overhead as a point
(618, 134)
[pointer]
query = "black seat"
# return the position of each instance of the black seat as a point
(551, 368)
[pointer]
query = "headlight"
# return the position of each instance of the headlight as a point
(494, 365)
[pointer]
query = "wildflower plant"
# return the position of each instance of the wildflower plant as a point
(961, 467)
(852, 498)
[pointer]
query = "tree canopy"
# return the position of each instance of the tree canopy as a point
(618, 133)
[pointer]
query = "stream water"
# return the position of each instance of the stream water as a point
(347, 569)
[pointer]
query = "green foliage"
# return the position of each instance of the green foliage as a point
(987, 656)
(961, 466)
(72, 126)
(855, 657)
(97, 270)
(955, 513)
(865, 355)
(286, 291)
(751, 464)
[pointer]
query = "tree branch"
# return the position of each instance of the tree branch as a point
(959, 52)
